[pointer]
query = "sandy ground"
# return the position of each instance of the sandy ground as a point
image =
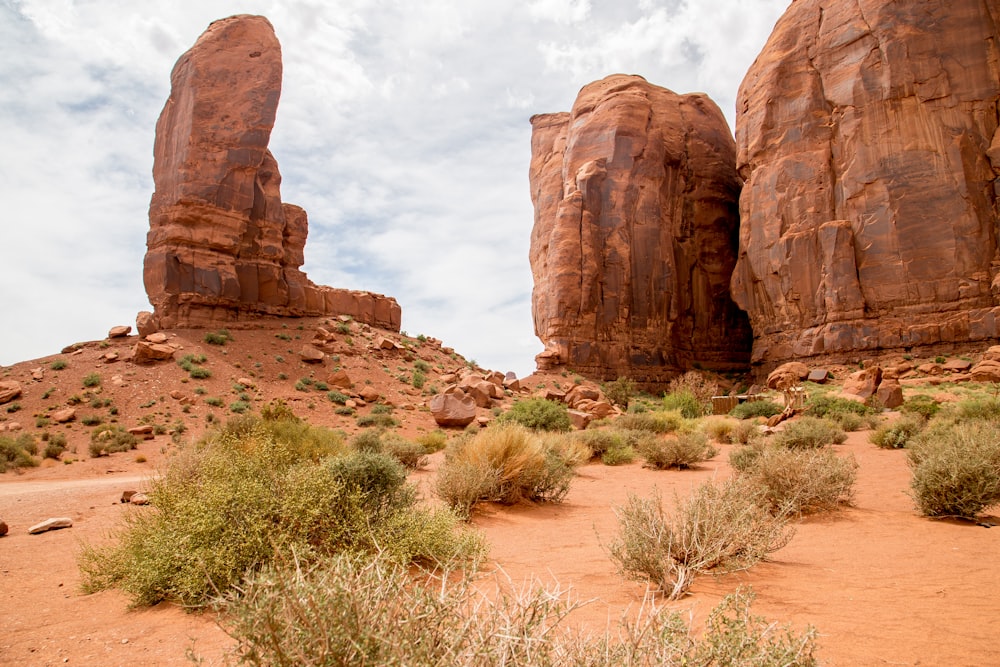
(882, 585)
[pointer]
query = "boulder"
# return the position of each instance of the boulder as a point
(581, 392)
(986, 370)
(992, 354)
(127, 496)
(863, 383)
(479, 390)
(369, 394)
(120, 331)
(511, 382)
(818, 375)
(579, 419)
(110, 357)
(38, 374)
(50, 524)
(889, 394)
(9, 390)
(157, 338)
(787, 375)
(957, 366)
(222, 246)
(64, 415)
(147, 353)
(144, 431)
(145, 323)
(341, 380)
(930, 369)
(3, 528)
(868, 212)
(384, 343)
(311, 355)
(635, 195)
(452, 410)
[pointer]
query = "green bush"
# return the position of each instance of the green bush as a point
(349, 611)
(798, 481)
(55, 444)
(825, 405)
(745, 433)
(678, 451)
(980, 408)
(618, 455)
(92, 380)
(240, 500)
(922, 405)
(110, 439)
(721, 527)
(377, 419)
(214, 401)
(750, 409)
(434, 441)
(220, 337)
(505, 463)
(956, 468)
(809, 432)
(91, 420)
(199, 373)
(620, 391)
(17, 452)
(652, 422)
(719, 429)
(58, 364)
(13, 407)
(367, 441)
(686, 403)
(411, 454)
(337, 397)
(239, 407)
(897, 434)
(539, 414)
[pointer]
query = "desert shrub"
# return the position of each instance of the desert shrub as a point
(92, 380)
(13, 407)
(682, 450)
(809, 432)
(616, 456)
(214, 401)
(433, 441)
(696, 384)
(220, 337)
(719, 429)
(653, 422)
(505, 463)
(743, 458)
(344, 411)
(750, 409)
(58, 364)
(539, 414)
(17, 452)
(199, 373)
(897, 434)
(234, 502)
(610, 445)
(620, 391)
(824, 405)
(956, 468)
(377, 419)
(239, 407)
(91, 420)
(800, 481)
(411, 454)
(745, 433)
(55, 444)
(721, 527)
(110, 439)
(568, 449)
(337, 397)
(922, 405)
(979, 408)
(349, 611)
(686, 403)
(849, 421)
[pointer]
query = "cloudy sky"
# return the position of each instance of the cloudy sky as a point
(402, 130)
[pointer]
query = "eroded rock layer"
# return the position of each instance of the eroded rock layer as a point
(867, 138)
(634, 241)
(222, 246)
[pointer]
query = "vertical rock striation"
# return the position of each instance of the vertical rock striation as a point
(634, 241)
(222, 246)
(867, 138)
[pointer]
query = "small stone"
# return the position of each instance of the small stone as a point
(110, 357)
(3, 528)
(158, 338)
(139, 499)
(340, 379)
(37, 374)
(246, 382)
(64, 415)
(311, 355)
(9, 390)
(50, 524)
(127, 496)
(369, 394)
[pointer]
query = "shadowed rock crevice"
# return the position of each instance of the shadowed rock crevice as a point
(222, 246)
(636, 223)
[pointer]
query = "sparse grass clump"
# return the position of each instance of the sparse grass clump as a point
(220, 337)
(110, 439)
(719, 429)
(611, 446)
(55, 444)
(922, 405)
(58, 364)
(240, 499)
(899, 433)
(682, 450)
(750, 409)
(824, 405)
(539, 414)
(721, 527)
(745, 433)
(337, 397)
(956, 468)
(350, 611)
(505, 463)
(799, 481)
(17, 452)
(979, 408)
(433, 441)
(686, 403)
(378, 420)
(807, 432)
(239, 407)
(92, 380)
(653, 422)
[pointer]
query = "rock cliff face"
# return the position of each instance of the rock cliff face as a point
(867, 138)
(634, 242)
(222, 246)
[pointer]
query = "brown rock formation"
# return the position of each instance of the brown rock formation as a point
(635, 234)
(868, 141)
(222, 246)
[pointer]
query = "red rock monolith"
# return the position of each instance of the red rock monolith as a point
(867, 133)
(222, 246)
(635, 236)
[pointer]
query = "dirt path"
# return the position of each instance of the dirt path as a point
(882, 585)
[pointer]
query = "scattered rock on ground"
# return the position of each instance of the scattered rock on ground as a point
(64, 415)
(311, 355)
(120, 331)
(9, 390)
(3, 528)
(453, 410)
(145, 352)
(50, 524)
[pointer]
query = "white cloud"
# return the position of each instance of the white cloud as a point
(402, 130)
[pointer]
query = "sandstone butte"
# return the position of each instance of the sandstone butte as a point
(868, 141)
(635, 193)
(222, 246)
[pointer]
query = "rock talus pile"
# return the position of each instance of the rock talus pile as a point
(222, 246)
(868, 140)
(635, 235)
